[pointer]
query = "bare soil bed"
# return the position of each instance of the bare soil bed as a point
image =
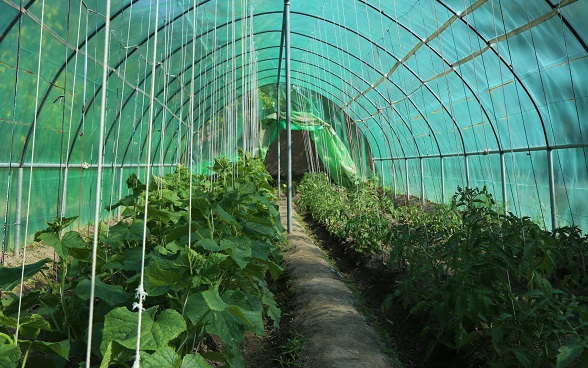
(325, 311)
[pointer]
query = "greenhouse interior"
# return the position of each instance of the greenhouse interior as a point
(160, 157)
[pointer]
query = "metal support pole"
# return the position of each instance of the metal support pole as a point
(503, 182)
(407, 180)
(552, 189)
(394, 177)
(18, 212)
(422, 183)
(64, 192)
(467, 171)
(279, 144)
(442, 181)
(288, 109)
(383, 176)
(120, 191)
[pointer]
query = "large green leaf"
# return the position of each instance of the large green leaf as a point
(260, 250)
(225, 216)
(9, 356)
(194, 361)
(569, 354)
(70, 240)
(163, 273)
(60, 349)
(238, 249)
(273, 311)
(164, 357)
(122, 233)
(172, 197)
(111, 294)
(227, 321)
(120, 325)
(30, 326)
(10, 277)
(257, 229)
(245, 304)
(165, 216)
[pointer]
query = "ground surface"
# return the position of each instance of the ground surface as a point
(325, 313)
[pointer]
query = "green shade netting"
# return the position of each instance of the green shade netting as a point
(485, 92)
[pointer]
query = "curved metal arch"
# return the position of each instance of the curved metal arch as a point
(405, 66)
(112, 69)
(255, 34)
(374, 105)
(16, 19)
(509, 67)
(366, 39)
(407, 29)
(331, 99)
(568, 25)
(370, 66)
(261, 71)
(388, 122)
(52, 84)
(318, 87)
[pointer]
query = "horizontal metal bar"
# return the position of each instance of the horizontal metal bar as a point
(487, 152)
(28, 165)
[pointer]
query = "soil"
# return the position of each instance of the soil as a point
(325, 310)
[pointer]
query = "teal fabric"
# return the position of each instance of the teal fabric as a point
(416, 79)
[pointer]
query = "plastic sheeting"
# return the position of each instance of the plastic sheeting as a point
(479, 92)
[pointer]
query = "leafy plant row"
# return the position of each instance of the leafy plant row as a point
(210, 245)
(496, 287)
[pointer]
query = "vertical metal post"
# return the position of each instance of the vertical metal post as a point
(120, 191)
(442, 181)
(467, 170)
(407, 180)
(383, 176)
(552, 203)
(288, 109)
(422, 182)
(394, 177)
(64, 192)
(18, 212)
(503, 181)
(278, 141)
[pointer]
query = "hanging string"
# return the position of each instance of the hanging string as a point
(24, 250)
(98, 182)
(141, 295)
(73, 96)
(581, 134)
(115, 147)
(16, 80)
(191, 119)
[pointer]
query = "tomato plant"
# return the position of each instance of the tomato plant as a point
(496, 287)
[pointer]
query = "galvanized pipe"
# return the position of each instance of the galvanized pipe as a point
(552, 190)
(278, 141)
(489, 152)
(407, 179)
(442, 180)
(422, 183)
(503, 182)
(467, 171)
(288, 108)
(18, 212)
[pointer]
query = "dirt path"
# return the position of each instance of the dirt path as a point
(337, 335)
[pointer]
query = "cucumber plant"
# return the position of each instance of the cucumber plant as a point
(210, 246)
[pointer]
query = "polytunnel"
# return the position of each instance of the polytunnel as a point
(425, 95)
